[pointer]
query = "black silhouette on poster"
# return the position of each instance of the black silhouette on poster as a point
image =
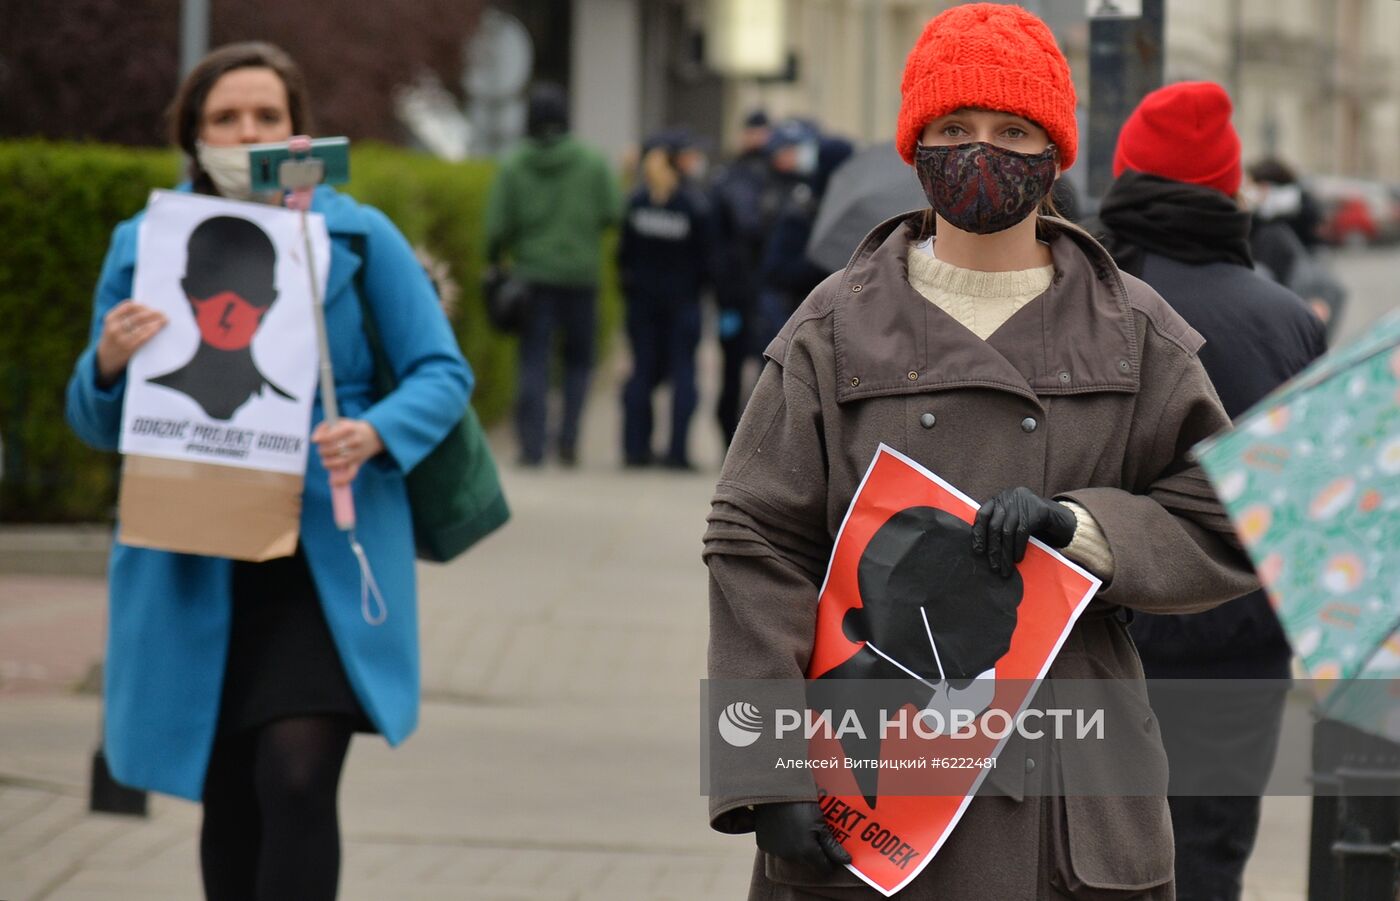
(933, 617)
(230, 281)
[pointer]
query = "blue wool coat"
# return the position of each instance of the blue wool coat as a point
(169, 618)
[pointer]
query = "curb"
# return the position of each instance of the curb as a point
(43, 550)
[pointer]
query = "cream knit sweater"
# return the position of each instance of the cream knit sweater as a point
(982, 302)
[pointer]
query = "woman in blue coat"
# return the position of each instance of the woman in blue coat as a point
(240, 684)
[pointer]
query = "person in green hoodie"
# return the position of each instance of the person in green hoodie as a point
(552, 199)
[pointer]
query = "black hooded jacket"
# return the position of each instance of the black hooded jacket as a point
(1191, 244)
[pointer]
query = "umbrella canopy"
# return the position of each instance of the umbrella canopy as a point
(1311, 478)
(870, 187)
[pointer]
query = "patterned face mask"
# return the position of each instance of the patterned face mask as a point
(982, 188)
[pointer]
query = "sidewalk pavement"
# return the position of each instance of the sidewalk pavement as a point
(557, 755)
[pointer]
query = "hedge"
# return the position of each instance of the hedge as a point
(58, 205)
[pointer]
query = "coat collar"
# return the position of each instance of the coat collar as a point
(349, 237)
(1077, 337)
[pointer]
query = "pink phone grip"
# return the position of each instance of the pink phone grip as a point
(343, 506)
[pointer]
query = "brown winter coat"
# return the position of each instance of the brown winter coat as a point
(1091, 392)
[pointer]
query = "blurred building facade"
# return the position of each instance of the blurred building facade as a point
(1316, 81)
(105, 70)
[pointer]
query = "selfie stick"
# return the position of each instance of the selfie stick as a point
(299, 177)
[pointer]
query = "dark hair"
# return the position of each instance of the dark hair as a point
(187, 109)
(757, 119)
(547, 112)
(1273, 171)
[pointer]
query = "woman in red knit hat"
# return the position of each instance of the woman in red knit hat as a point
(1003, 350)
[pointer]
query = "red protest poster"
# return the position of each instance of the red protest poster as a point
(905, 601)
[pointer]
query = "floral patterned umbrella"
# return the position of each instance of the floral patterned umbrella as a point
(1311, 478)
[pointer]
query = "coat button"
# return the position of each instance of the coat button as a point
(1064, 378)
(1030, 764)
(855, 383)
(928, 420)
(913, 376)
(1028, 425)
(855, 289)
(1124, 366)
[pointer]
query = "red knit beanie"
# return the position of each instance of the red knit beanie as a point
(1183, 132)
(993, 56)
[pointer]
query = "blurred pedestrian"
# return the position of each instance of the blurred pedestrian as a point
(740, 230)
(1172, 219)
(1284, 211)
(790, 204)
(1274, 243)
(692, 159)
(551, 202)
(1002, 350)
(832, 151)
(240, 684)
(1290, 200)
(663, 261)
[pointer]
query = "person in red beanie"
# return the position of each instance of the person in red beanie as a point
(1183, 132)
(1000, 348)
(1172, 218)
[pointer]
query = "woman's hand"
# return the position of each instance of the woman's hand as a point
(345, 446)
(1005, 524)
(796, 830)
(125, 328)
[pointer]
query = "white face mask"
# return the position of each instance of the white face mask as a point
(1280, 201)
(231, 170)
(1250, 196)
(807, 157)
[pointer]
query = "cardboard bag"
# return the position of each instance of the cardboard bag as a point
(203, 508)
(217, 409)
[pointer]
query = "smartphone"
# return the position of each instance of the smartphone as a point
(266, 160)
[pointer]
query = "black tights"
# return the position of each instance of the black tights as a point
(270, 826)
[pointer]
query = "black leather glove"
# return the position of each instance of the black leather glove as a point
(1005, 524)
(795, 830)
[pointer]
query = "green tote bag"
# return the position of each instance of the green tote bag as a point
(454, 492)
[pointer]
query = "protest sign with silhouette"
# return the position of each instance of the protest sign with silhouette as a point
(217, 411)
(230, 282)
(906, 602)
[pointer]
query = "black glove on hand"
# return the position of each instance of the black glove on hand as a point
(1005, 524)
(795, 830)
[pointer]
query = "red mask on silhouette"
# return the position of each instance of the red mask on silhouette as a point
(226, 320)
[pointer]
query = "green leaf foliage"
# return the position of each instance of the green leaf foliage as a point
(58, 205)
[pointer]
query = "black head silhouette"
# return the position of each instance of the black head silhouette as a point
(929, 603)
(931, 612)
(230, 281)
(228, 253)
